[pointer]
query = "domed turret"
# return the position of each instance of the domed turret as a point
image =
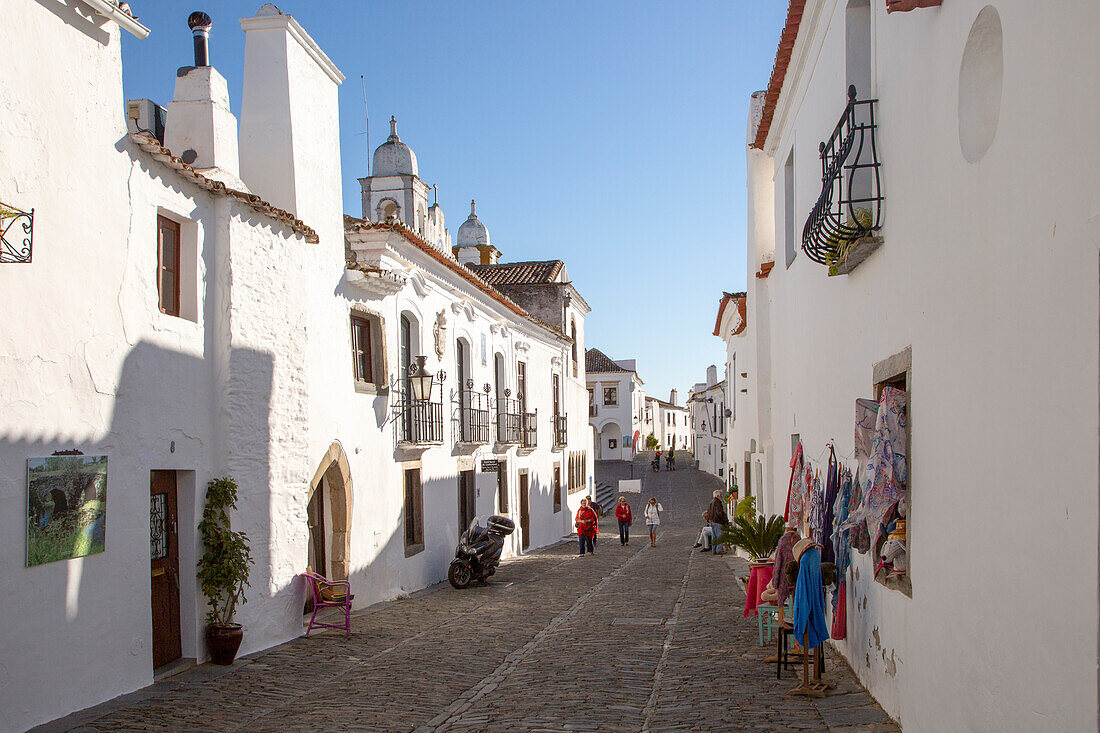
(393, 157)
(472, 232)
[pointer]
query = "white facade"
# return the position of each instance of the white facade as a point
(707, 401)
(616, 407)
(669, 423)
(982, 300)
(253, 379)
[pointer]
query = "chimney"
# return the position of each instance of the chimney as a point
(712, 375)
(290, 123)
(199, 127)
(672, 397)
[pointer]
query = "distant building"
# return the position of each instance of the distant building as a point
(707, 402)
(616, 405)
(668, 422)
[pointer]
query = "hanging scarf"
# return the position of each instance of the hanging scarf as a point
(887, 470)
(866, 418)
(832, 487)
(809, 600)
(796, 471)
(784, 553)
(815, 517)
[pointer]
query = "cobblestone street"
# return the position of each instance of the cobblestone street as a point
(629, 639)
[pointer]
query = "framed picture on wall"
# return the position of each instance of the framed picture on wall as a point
(66, 507)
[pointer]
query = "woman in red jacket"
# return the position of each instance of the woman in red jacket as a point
(622, 512)
(586, 527)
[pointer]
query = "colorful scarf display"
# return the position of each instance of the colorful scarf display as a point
(887, 470)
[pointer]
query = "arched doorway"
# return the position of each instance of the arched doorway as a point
(610, 437)
(327, 511)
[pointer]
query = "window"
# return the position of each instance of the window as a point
(168, 265)
(557, 395)
(612, 443)
(366, 334)
(611, 395)
(788, 209)
(467, 501)
(897, 372)
(521, 386)
(573, 333)
(557, 489)
(414, 512)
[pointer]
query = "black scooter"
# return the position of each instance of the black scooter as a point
(478, 551)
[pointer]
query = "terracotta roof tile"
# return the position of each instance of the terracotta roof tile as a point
(779, 70)
(163, 155)
(597, 361)
(519, 273)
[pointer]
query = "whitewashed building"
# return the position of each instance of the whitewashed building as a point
(969, 282)
(616, 406)
(707, 401)
(211, 311)
(668, 422)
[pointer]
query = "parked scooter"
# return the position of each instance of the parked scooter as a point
(478, 551)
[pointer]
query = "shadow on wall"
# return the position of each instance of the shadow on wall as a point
(172, 412)
(91, 27)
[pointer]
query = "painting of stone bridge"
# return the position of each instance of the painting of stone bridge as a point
(66, 507)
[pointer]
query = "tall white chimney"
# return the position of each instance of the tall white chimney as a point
(290, 123)
(199, 128)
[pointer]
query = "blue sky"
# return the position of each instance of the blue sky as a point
(607, 134)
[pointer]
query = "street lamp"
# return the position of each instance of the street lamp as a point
(420, 379)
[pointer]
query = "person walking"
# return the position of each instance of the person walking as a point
(622, 513)
(670, 459)
(718, 519)
(653, 519)
(586, 527)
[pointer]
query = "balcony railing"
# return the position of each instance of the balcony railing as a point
(473, 417)
(16, 234)
(561, 430)
(530, 429)
(419, 421)
(509, 421)
(849, 207)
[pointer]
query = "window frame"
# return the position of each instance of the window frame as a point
(614, 392)
(414, 505)
(376, 351)
(163, 223)
(557, 488)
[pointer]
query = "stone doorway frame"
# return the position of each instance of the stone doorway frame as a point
(335, 467)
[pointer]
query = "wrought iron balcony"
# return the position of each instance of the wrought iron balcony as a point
(849, 207)
(473, 417)
(16, 234)
(419, 421)
(530, 429)
(561, 430)
(509, 421)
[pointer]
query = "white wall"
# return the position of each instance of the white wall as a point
(981, 263)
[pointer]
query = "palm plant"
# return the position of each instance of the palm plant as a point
(758, 536)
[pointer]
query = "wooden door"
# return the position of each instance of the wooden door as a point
(467, 506)
(164, 566)
(524, 513)
(502, 488)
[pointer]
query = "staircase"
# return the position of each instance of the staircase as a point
(606, 496)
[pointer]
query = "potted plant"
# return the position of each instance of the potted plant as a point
(223, 570)
(759, 536)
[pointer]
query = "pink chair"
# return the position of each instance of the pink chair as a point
(329, 594)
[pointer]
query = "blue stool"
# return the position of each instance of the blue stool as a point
(767, 618)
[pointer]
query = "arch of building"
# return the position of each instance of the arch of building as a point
(335, 471)
(609, 430)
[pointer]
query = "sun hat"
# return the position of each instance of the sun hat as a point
(802, 545)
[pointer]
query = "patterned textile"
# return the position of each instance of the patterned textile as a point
(866, 418)
(887, 470)
(832, 487)
(792, 512)
(815, 517)
(841, 536)
(840, 612)
(784, 553)
(809, 601)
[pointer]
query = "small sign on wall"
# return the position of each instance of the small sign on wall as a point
(490, 465)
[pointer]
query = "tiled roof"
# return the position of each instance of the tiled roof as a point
(779, 70)
(353, 224)
(519, 273)
(163, 155)
(597, 361)
(727, 298)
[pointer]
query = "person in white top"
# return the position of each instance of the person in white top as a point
(652, 519)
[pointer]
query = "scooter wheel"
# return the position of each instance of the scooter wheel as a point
(459, 575)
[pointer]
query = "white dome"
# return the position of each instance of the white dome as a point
(472, 231)
(393, 157)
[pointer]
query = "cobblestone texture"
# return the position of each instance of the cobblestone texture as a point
(628, 639)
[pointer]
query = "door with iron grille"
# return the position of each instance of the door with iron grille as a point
(524, 513)
(164, 568)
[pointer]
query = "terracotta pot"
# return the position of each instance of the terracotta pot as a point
(223, 642)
